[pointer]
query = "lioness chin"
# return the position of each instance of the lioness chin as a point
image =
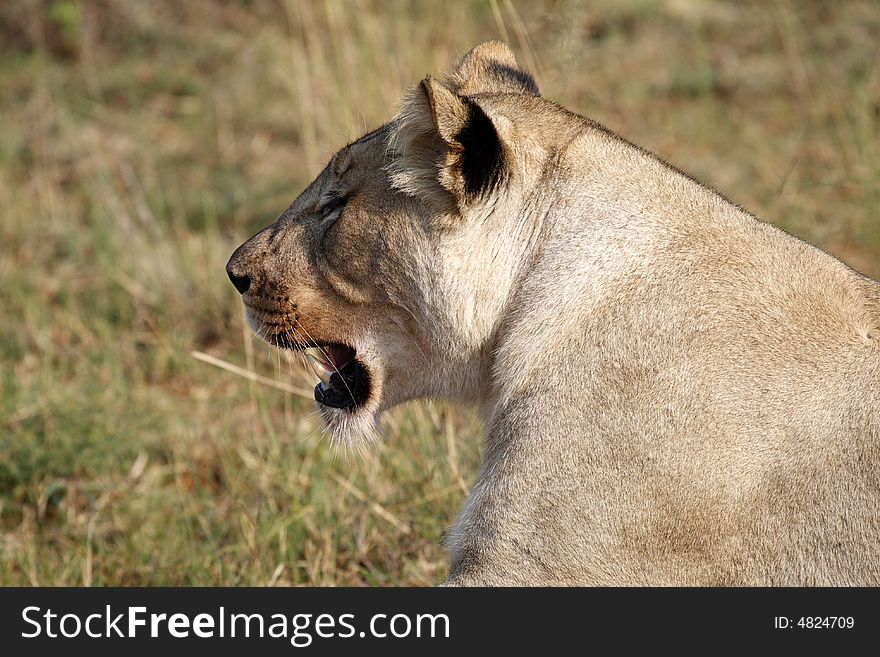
(673, 391)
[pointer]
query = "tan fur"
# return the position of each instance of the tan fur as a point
(673, 391)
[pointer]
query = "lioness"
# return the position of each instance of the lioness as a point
(673, 391)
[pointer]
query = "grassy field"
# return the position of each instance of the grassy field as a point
(140, 143)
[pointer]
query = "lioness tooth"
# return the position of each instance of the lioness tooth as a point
(319, 368)
(314, 352)
(320, 356)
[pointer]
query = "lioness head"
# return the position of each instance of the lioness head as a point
(395, 264)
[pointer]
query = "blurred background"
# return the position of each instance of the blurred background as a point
(145, 436)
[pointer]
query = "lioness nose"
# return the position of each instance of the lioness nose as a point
(243, 267)
(241, 283)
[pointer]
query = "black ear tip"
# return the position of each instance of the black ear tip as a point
(516, 75)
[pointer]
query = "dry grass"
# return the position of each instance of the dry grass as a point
(141, 142)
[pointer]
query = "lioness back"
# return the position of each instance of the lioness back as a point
(673, 391)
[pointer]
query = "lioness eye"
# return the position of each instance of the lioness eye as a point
(333, 203)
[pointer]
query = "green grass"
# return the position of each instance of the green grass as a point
(142, 142)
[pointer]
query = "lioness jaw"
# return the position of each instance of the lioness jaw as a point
(674, 392)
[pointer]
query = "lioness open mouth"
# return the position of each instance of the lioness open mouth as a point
(344, 381)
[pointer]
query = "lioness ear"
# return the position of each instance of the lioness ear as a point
(446, 147)
(490, 67)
